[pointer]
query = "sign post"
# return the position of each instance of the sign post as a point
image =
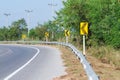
(84, 31)
(66, 39)
(67, 34)
(84, 45)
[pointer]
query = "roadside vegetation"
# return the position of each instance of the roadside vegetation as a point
(106, 54)
(75, 70)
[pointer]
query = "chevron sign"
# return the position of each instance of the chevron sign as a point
(84, 28)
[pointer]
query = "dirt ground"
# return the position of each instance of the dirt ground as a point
(75, 69)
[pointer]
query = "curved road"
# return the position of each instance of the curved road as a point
(20, 62)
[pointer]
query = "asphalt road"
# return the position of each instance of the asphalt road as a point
(20, 62)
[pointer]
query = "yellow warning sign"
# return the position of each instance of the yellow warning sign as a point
(23, 36)
(46, 34)
(84, 28)
(67, 33)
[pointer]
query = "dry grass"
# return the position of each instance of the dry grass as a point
(104, 70)
(75, 69)
(107, 64)
(106, 55)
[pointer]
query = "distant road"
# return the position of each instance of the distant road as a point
(20, 62)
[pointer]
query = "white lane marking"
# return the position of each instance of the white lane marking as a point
(19, 69)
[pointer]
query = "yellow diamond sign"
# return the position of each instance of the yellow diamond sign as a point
(84, 28)
(67, 33)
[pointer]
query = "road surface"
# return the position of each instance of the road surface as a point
(20, 62)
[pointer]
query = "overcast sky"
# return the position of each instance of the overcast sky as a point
(41, 11)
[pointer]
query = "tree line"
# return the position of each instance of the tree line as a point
(14, 31)
(103, 17)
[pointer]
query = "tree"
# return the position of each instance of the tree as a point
(71, 15)
(32, 34)
(102, 15)
(17, 29)
(4, 33)
(40, 31)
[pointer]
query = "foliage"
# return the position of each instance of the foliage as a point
(103, 17)
(15, 31)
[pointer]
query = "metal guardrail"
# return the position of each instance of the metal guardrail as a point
(87, 66)
(89, 70)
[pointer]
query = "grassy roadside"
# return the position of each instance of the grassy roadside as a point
(106, 54)
(105, 61)
(74, 69)
(76, 72)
